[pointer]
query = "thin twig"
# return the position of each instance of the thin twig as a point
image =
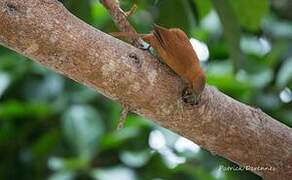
(123, 117)
(121, 21)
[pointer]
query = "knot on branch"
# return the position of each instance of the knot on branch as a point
(10, 7)
(136, 59)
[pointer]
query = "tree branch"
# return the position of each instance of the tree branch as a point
(47, 33)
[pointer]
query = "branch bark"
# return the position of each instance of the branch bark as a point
(46, 32)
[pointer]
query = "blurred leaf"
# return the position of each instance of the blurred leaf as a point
(13, 62)
(135, 159)
(250, 12)
(231, 31)
(170, 136)
(284, 75)
(220, 75)
(143, 15)
(40, 69)
(155, 163)
(229, 85)
(46, 87)
(83, 128)
(186, 148)
(268, 100)
(69, 164)
(56, 163)
(218, 51)
(286, 95)
(257, 80)
(287, 117)
(62, 175)
(204, 7)
(220, 68)
(118, 172)
(212, 26)
(175, 13)
(79, 89)
(254, 45)
(83, 95)
(4, 50)
(20, 110)
(99, 14)
(186, 171)
(135, 120)
(200, 34)
(277, 51)
(45, 144)
(116, 138)
(4, 82)
(278, 29)
(81, 9)
(51, 86)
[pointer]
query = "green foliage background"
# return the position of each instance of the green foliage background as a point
(52, 127)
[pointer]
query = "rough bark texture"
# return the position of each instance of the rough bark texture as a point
(46, 32)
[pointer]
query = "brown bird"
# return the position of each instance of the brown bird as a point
(177, 52)
(175, 49)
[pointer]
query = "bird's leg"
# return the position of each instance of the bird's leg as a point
(147, 48)
(190, 97)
